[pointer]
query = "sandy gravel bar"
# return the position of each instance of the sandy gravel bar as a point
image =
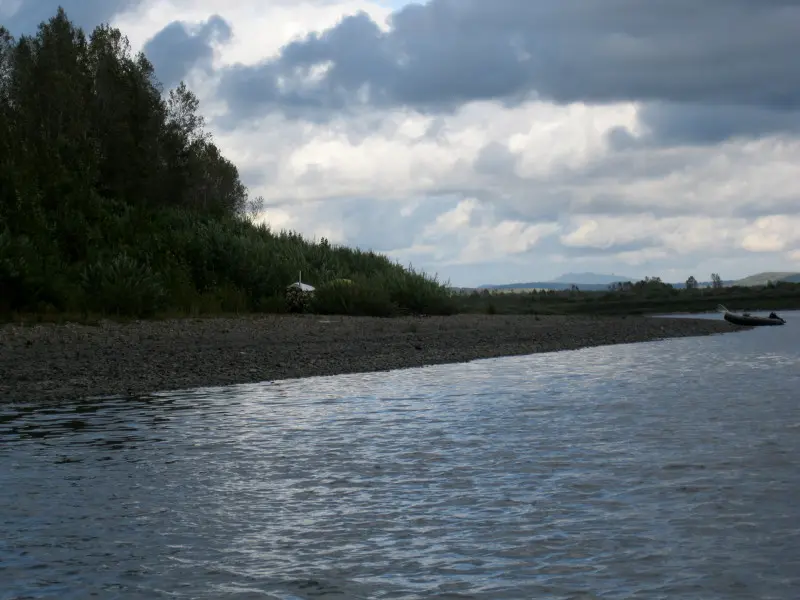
(69, 361)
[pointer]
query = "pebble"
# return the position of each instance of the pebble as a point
(54, 362)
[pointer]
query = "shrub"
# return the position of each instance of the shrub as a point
(32, 276)
(297, 300)
(351, 298)
(123, 286)
(417, 293)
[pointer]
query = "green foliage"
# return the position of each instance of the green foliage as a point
(82, 118)
(297, 300)
(31, 276)
(122, 285)
(416, 293)
(354, 298)
(114, 199)
(391, 292)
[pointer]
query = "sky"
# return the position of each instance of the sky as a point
(496, 141)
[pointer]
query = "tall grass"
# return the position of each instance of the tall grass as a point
(141, 262)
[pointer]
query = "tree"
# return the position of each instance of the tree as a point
(128, 120)
(691, 283)
(84, 127)
(254, 207)
(620, 286)
(716, 281)
(183, 115)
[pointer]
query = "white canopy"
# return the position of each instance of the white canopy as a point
(304, 287)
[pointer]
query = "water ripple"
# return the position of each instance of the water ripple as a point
(661, 470)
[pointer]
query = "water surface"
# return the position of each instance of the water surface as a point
(659, 470)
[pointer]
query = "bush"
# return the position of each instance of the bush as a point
(32, 276)
(123, 286)
(357, 299)
(417, 293)
(297, 300)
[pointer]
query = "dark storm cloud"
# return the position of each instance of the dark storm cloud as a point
(708, 124)
(84, 13)
(179, 47)
(740, 53)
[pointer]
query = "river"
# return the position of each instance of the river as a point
(657, 470)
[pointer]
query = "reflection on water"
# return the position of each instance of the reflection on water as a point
(665, 470)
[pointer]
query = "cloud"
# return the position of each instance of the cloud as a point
(480, 235)
(518, 182)
(23, 16)
(443, 54)
(260, 27)
(383, 226)
(671, 124)
(180, 47)
(774, 233)
(735, 179)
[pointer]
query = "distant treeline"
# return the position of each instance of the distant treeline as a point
(690, 283)
(650, 295)
(114, 199)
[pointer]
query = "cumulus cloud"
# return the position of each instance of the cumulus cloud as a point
(442, 54)
(181, 47)
(23, 16)
(774, 233)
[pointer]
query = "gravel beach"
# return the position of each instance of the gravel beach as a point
(47, 362)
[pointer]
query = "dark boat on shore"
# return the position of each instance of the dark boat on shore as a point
(749, 320)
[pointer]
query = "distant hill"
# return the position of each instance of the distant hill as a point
(591, 282)
(767, 276)
(589, 278)
(546, 285)
(565, 282)
(585, 281)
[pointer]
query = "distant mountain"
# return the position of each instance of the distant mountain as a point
(767, 276)
(585, 287)
(546, 285)
(586, 281)
(589, 278)
(593, 282)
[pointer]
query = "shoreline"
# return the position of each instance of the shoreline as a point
(71, 361)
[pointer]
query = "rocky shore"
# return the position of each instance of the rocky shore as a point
(39, 362)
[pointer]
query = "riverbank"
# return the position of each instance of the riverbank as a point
(46, 362)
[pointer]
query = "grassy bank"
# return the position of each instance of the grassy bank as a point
(174, 263)
(364, 299)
